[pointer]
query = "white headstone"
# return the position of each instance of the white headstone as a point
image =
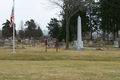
(75, 44)
(30, 41)
(90, 43)
(6, 42)
(43, 44)
(115, 44)
(26, 41)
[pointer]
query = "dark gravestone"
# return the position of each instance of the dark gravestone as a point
(95, 41)
(33, 44)
(85, 43)
(107, 42)
(60, 44)
(19, 40)
(38, 43)
(101, 43)
(1, 43)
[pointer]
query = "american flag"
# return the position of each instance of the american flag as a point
(11, 18)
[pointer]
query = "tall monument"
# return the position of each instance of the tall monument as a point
(79, 35)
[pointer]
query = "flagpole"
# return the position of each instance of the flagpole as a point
(13, 28)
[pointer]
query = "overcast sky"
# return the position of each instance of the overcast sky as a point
(39, 10)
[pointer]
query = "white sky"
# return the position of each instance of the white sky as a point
(38, 10)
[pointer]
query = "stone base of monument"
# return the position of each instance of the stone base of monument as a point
(80, 46)
(115, 44)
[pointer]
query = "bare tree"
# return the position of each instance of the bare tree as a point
(69, 7)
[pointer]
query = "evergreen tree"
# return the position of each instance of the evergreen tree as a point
(110, 15)
(39, 32)
(54, 28)
(31, 30)
(6, 30)
(73, 25)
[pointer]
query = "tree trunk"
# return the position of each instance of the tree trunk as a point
(67, 34)
(103, 35)
(91, 35)
(117, 35)
(113, 36)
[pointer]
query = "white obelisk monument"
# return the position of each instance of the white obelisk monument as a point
(79, 35)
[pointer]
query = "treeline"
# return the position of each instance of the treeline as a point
(32, 30)
(101, 15)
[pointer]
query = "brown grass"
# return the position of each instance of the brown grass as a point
(33, 63)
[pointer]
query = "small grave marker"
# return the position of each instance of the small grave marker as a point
(115, 44)
(85, 43)
(27, 41)
(90, 43)
(6, 42)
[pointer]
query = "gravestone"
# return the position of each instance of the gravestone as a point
(26, 41)
(117, 39)
(30, 41)
(119, 44)
(94, 49)
(101, 43)
(11, 41)
(60, 44)
(107, 42)
(6, 42)
(95, 41)
(43, 44)
(51, 43)
(1, 43)
(38, 43)
(115, 44)
(79, 35)
(90, 43)
(17, 47)
(52, 46)
(75, 44)
(23, 47)
(85, 43)
(33, 44)
(19, 41)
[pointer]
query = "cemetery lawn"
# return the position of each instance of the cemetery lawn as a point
(33, 63)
